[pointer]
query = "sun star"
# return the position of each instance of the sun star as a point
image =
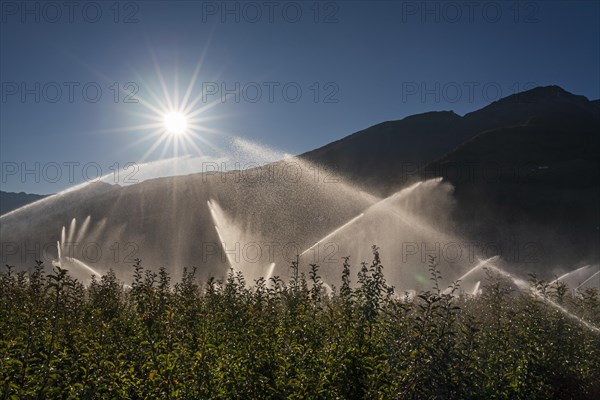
(175, 123)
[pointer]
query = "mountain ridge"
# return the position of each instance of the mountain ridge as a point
(428, 136)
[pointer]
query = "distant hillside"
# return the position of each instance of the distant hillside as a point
(11, 201)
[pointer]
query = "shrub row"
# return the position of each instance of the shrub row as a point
(228, 339)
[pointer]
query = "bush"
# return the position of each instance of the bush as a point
(224, 339)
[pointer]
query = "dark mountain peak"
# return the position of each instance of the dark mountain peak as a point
(544, 94)
(432, 117)
(409, 122)
(521, 108)
(415, 121)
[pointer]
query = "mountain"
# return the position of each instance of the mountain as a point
(11, 201)
(534, 183)
(386, 155)
(377, 156)
(521, 180)
(525, 170)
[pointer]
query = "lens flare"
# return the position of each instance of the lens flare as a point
(175, 123)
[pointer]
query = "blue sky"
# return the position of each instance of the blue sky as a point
(356, 64)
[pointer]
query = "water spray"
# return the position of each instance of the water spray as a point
(523, 285)
(569, 273)
(475, 268)
(270, 272)
(83, 229)
(587, 280)
(341, 228)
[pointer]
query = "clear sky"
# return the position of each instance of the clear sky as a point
(356, 63)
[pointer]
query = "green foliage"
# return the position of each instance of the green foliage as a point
(224, 339)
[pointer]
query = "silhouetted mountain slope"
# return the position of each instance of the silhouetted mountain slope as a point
(519, 107)
(374, 156)
(525, 169)
(535, 183)
(11, 201)
(384, 156)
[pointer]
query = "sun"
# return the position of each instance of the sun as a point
(175, 123)
(174, 120)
